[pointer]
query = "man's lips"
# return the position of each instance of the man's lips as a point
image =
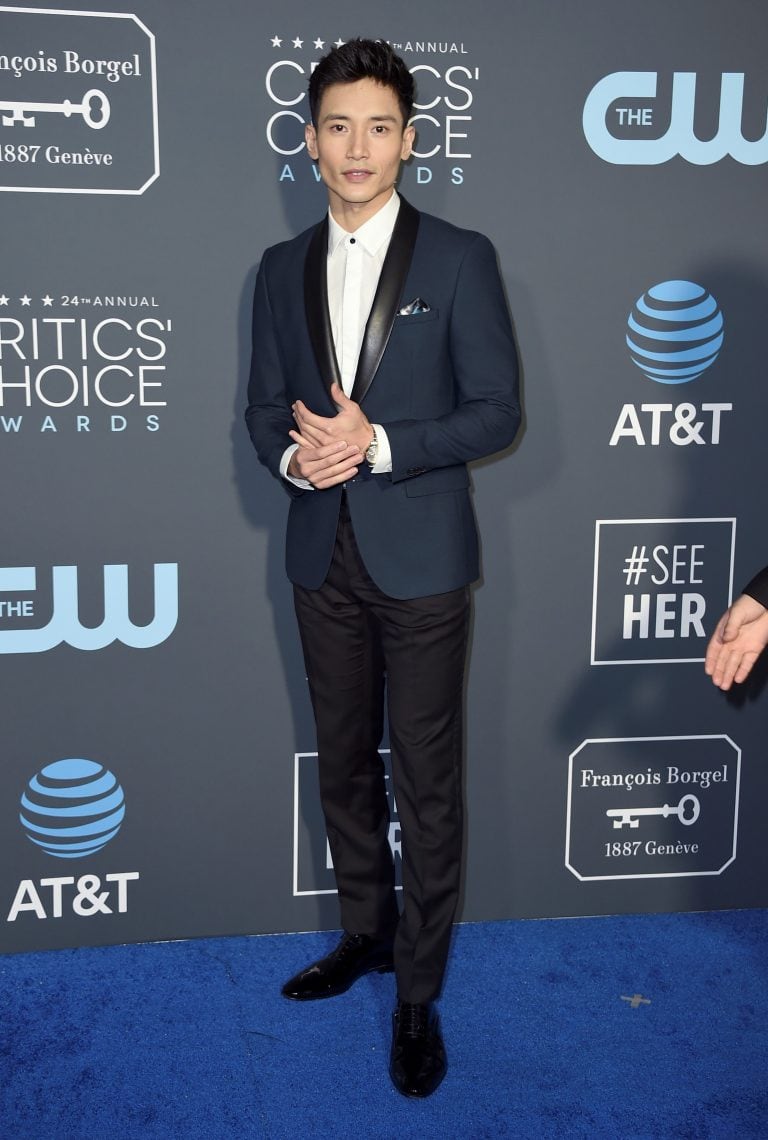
(357, 174)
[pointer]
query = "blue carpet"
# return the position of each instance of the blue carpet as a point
(191, 1039)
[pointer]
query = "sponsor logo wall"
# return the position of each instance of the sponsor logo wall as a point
(159, 779)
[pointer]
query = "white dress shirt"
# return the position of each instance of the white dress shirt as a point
(354, 267)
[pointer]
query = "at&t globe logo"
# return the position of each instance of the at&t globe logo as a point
(675, 332)
(72, 808)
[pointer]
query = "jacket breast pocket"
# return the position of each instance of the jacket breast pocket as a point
(416, 319)
(440, 479)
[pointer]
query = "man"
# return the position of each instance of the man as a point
(741, 635)
(383, 361)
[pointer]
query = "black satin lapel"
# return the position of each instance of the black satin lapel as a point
(384, 308)
(316, 306)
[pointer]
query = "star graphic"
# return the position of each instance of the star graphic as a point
(339, 43)
(25, 300)
(319, 44)
(276, 41)
(3, 300)
(47, 300)
(297, 43)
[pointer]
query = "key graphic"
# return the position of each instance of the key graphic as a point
(629, 817)
(94, 108)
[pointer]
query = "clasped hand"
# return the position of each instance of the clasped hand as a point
(331, 448)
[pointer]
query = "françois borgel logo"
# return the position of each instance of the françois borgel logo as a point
(446, 83)
(659, 586)
(33, 623)
(674, 335)
(652, 807)
(78, 102)
(624, 124)
(312, 859)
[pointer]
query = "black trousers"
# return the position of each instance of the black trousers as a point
(355, 638)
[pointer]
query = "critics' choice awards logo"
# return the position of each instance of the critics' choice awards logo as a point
(674, 334)
(655, 807)
(624, 123)
(659, 585)
(446, 83)
(32, 622)
(72, 809)
(312, 860)
(78, 102)
(82, 374)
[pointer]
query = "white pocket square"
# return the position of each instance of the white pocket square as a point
(413, 307)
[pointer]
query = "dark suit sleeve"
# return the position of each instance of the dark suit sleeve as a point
(484, 360)
(758, 587)
(268, 414)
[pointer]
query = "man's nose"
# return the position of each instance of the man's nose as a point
(358, 145)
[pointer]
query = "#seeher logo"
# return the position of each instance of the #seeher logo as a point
(675, 332)
(72, 808)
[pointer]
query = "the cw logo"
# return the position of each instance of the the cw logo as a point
(65, 625)
(629, 86)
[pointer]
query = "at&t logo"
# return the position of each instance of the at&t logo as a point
(674, 334)
(616, 103)
(71, 809)
(64, 624)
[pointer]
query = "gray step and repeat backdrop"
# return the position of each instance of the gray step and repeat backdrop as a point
(158, 775)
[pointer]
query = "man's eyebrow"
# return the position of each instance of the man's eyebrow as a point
(332, 116)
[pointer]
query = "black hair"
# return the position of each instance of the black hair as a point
(363, 59)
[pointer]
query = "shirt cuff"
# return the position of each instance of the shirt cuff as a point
(383, 462)
(757, 588)
(304, 484)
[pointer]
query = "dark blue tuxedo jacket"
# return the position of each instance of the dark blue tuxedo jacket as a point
(442, 383)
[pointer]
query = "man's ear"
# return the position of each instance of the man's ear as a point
(409, 137)
(310, 137)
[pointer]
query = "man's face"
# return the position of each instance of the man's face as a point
(358, 144)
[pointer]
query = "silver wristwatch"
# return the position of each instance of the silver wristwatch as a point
(373, 448)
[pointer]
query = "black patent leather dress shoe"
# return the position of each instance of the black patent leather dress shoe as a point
(417, 1062)
(356, 955)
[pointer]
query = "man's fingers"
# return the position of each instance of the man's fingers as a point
(723, 667)
(715, 646)
(733, 666)
(745, 666)
(340, 475)
(338, 397)
(304, 417)
(315, 436)
(325, 466)
(323, 450)
(727, 671)
(329, 473)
